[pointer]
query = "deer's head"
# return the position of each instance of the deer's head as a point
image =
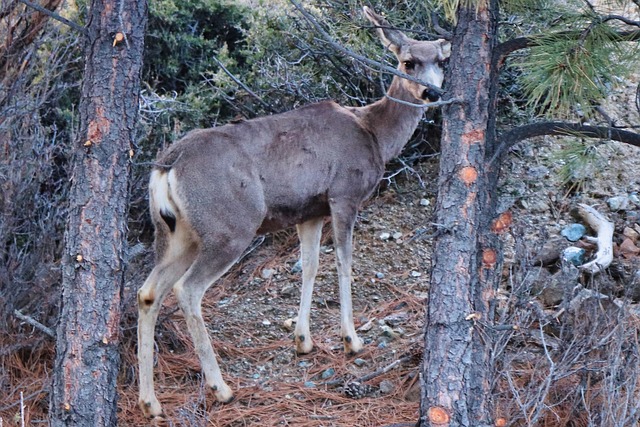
(420, 59)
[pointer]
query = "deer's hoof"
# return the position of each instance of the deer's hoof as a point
(352, 344)
(304, 344)
(223, 393)
(151, 408)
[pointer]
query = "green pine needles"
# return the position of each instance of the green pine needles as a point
(570, 71)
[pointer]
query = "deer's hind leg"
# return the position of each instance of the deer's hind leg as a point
(213, 260)
(309, 233)
(150, 298)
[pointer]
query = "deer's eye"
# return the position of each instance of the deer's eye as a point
(409, 65)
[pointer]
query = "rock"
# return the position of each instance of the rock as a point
(267, 273)
(367, 326)
(289, 324)
(573, 232)
(618, 203)
(631, 234)
(384, 236)
(633, 198)
(574, 255)
(379, 275)
(397, 235)
(288, 291)
(387, 331)
(297, 267)
(396, 318)
(266, 322)
(424, 202)
(305, 364)
(359, 362)
(328, 373)
(628, 249)
(386, 387)
(416, 274)
(309, 384)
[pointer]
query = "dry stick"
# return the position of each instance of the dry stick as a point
(241, 84)
(34, 323)
(372, 375)
(55, 16)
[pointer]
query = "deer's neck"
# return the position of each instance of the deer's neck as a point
(392, 123)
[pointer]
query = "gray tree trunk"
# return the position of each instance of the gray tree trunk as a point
(88, 334)
(467, 258)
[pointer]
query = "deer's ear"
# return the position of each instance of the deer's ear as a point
(391, 39)
(445, 49)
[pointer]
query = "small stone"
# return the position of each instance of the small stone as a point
(326, 249)
(265, 322)
(416, 274)
(628, 249)
(618, 203)
(424, 202)
(328, 373)
(367, 326)
(396, 318)
(384, 236)
(574, 255)
(297, 267)
(382, 344)
(573, 232)
(379, 275)
(359, 362)
(288, 324)
(397, 235)
(387, 331)
(633, 198)
(631, 234)
(386, 387)
(267, 273)
(305, 364)
(309, 384)
(288, 290)
(256, 376)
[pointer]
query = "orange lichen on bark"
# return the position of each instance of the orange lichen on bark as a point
(489, 258)
(502, 223)
(468, 175)
(438, 416)
(98, 127)
(472, 136)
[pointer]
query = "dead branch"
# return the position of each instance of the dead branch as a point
(55, 16)
(34, 323)
(604, 229)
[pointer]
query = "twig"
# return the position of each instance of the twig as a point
(55, 16)
(364, 59)
(34, 323)
(373, 374)
(241, 84)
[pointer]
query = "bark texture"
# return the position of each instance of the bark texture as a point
(467, 258)
(87, 357)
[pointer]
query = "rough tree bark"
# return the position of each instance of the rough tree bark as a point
(87, 357)
(467, 257)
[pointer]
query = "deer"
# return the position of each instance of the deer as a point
(212, 192)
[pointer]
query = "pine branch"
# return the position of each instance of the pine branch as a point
(506, 48)
(564, 129)
(55, 16)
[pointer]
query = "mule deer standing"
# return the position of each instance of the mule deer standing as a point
(215, 189)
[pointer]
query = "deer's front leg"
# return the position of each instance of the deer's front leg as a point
(310, 233)
(343, 217)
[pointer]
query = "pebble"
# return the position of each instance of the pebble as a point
(631, 233)
(424, 202)
(386, 387)
(633, 198)
(297, 267)
(265, 322)
(367, 326)
(328, 373)
(416, 274)
(397, 235)
(574, 255)
(388, 332)
(385, 236)
(359, 362)
(379, 275)
(618, 203)
(382, 344)
(309, 384)
(573, 232)
(305, 364)
(267, 273)
(288, 324)
(396, 318)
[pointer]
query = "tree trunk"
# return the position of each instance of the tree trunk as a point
(88, 334)
(467, 258)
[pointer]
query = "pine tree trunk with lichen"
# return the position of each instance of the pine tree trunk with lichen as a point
(467, 258)
(88, 334)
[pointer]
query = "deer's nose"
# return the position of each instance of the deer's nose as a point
(431, 95)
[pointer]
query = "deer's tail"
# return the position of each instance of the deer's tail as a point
(161, 199)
